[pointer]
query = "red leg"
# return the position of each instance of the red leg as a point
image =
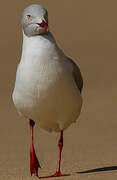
(60, 147)
(34, 163)
(58, 171)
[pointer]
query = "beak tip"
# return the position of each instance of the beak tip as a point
(44, 25)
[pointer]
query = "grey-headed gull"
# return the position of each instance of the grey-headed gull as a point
(48, 84)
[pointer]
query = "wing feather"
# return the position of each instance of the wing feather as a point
(76, 74)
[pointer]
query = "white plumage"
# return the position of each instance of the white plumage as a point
(46, 88)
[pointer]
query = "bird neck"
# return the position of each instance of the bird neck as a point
(41, 37)
(36, 47)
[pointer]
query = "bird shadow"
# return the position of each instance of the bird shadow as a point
(102, 169)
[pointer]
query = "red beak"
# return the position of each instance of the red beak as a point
(44, 25)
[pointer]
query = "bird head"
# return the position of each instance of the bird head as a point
(35, 20)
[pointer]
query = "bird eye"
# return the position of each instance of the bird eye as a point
(28, 16)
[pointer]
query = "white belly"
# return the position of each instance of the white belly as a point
(54, 102)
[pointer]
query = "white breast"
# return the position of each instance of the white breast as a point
(45, 90)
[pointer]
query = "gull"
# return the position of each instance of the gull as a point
(48, 84)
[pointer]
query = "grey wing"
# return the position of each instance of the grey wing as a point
(76, 74)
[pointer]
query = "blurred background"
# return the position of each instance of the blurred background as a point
(86, 30)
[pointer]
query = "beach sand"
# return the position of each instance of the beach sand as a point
(85, 29)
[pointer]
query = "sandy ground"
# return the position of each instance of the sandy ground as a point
(87, 29)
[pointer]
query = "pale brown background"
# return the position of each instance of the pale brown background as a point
(85, 29)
